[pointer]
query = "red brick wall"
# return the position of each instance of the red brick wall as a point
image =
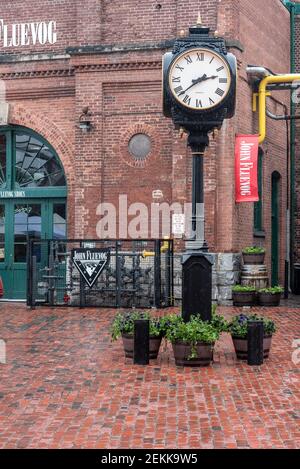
(123, 92)
(297, 153)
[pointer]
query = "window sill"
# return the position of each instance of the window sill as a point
(259, 234)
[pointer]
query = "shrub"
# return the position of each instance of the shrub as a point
(272, 290)
(253, 250)
(124, 324)
(243, 288)
(238, 326)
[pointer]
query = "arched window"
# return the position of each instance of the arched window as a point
(28, 161)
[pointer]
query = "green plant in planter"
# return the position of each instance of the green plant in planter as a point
(253, 250)
(219, 322)
(271, 290)
(192, 332)
(238, 326)
(124, 324)
(243, 288)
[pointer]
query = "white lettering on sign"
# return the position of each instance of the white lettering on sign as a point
(27, 34)
(11, 194)
(245, 167)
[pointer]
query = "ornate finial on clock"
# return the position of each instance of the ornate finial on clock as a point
(198, 28)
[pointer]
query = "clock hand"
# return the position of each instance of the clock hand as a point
(194, 82)
(198, 80)
(205, 78)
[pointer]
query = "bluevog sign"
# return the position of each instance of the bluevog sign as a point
(27, 34)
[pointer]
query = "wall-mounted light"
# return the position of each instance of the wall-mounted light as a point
(85, 120)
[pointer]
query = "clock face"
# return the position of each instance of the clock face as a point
(199, 79)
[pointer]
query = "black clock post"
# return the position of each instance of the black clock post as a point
(191, 66)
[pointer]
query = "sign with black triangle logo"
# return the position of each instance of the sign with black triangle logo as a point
(90, 262)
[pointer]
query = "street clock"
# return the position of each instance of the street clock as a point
(199, 81)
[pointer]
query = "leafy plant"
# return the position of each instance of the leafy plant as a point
(124, 324)
(243, 288)
(272, 290)
(191, 332)
(238, 326)
(219, 322)
(254, 250)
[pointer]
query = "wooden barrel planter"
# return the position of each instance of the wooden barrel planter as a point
(241, 298)
(241, 347)
(255, 276)
(253, 258)
(154, 345)
(268, 299)
(183, 350)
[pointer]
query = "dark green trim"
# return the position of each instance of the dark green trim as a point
(292, 6)
(259, 234)
(258, 206)
(275, 223)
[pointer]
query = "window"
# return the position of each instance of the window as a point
(2, 161)
(36, 164)
(258, 206)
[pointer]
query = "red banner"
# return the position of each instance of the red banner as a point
(246, 153)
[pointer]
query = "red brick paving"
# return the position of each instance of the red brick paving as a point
(65, 385)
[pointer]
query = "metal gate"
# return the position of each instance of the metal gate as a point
(107, 273)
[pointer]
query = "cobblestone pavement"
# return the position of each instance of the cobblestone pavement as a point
(65, 385)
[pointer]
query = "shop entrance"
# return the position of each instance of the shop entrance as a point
(32, 203)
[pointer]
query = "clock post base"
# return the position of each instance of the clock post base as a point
(196, 264)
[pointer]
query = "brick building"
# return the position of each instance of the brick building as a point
(65, 56)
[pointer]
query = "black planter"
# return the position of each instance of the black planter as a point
(253, 258)
(244, 298)
(268, 299)
(182, 351)
(241, 347)
(154, 344)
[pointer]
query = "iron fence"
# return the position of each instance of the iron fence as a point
(104, 273)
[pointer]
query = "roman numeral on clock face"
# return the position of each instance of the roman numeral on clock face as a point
(178, 89)
(211, 101)
(188, 59)
(187, 99)
(219, 92)
(220, 68)
(223, 80)
(179, 68)
(176, 79)
(200, 56)
(198, 103)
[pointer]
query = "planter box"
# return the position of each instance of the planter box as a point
(154, 344)
(182, 351)
(269, 299)
(253, 258)
(241, 347)
(244, 298)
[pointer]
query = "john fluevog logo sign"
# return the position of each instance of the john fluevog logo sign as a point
(90, 263)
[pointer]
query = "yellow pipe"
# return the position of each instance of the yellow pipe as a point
(262, 93)
(163, 248)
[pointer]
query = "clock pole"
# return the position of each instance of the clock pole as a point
(197, 143)
(187, 113)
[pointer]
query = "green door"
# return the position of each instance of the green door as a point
(21, 221)
(32, 203)
(275, 228)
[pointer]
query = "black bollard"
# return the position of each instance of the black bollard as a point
(141, 342)
(255, 343)
(196, 286)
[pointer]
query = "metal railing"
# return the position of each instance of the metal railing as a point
(103, 273)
